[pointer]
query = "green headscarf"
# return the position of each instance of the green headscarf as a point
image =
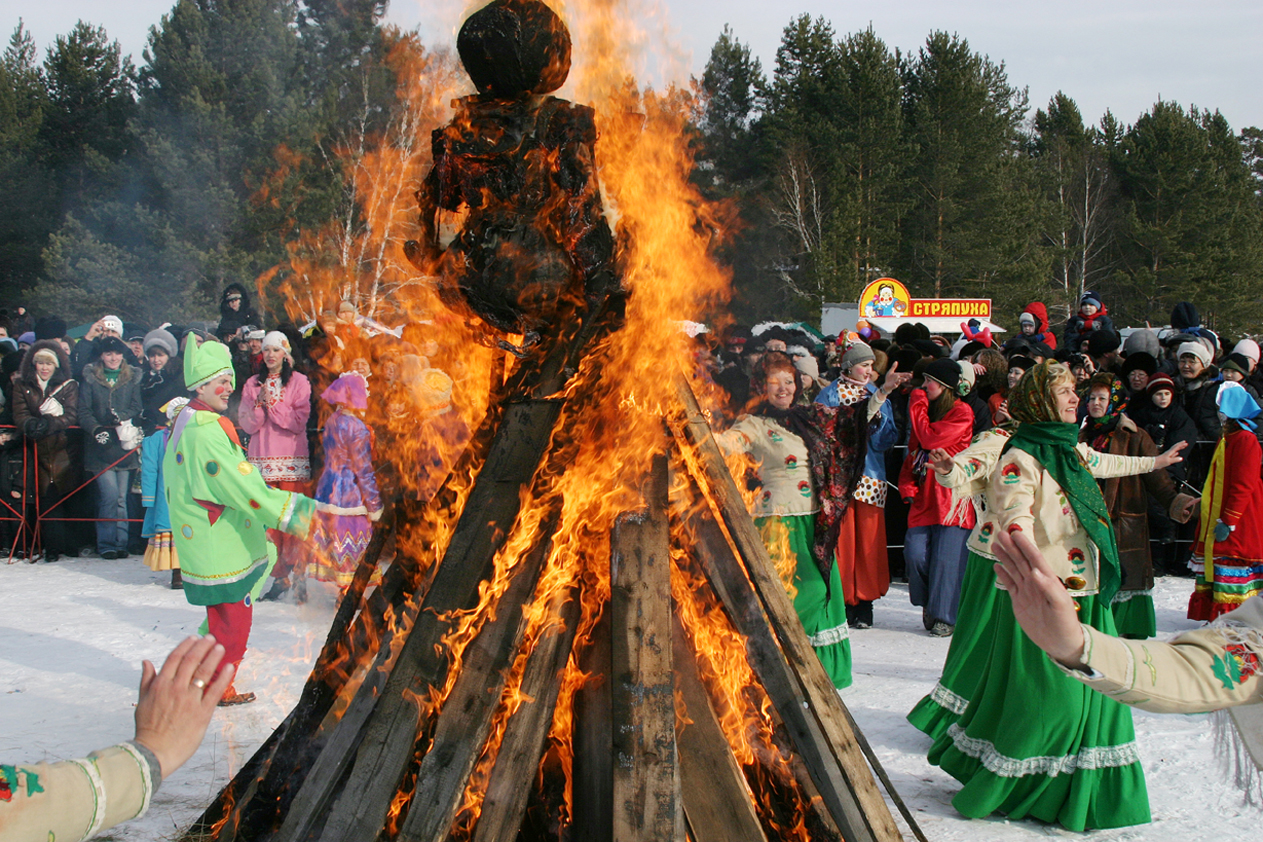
(1052, 443)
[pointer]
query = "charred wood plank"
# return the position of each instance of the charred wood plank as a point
(647, 804)
(468, 712)
(526, 734)
(752, 591)
(592, 773)
(717, 799)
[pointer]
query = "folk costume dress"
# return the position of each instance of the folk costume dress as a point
(274, 415)
(798, 451)
(160, 553)
(347, 487)
(1033, 742)
(1231, 523)
(861, 548)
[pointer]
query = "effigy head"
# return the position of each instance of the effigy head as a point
(515, 47)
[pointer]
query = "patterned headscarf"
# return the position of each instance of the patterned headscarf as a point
(1031, 401)
(1100, 428)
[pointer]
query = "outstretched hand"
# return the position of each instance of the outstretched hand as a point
(1171, 457)
(1041, 604)
(894, 378)
(942, 461)
(176, 704)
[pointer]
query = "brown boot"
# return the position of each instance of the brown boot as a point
(177, 580)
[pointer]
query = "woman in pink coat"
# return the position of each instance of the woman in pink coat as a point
(275, 406)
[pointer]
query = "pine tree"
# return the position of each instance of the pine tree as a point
(27, 198)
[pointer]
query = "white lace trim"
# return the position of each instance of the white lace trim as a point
(1097, 757)
(828, 637)
(945, 698)
(1127, 596)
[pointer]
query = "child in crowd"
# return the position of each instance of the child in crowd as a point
(1092, 316)
(160, 553)
(347, 484)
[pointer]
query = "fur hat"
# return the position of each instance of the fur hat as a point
(1102, 342)
(1143, 341)
(1021, 361)
(1140, 361)
(946, 372)
(50, 327)
(111, 344)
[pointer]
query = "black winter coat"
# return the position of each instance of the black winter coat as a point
(103, 407)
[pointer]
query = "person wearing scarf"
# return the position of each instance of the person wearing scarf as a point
(934, 546)
(1108, 430)
(1230, 532)
(1032, 742)
(809, 460)
(861, 546)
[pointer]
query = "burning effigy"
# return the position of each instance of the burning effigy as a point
(581, 636)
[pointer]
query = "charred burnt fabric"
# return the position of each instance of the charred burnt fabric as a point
(535, 247)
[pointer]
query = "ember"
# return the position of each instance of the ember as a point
(600, 647)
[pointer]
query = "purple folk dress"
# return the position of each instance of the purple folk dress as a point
(348, 484)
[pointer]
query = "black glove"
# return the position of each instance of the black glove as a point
(105, 436)
(35, 428)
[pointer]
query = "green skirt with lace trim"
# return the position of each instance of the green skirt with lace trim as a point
(1035, 743)
(823, 615)
(1133, 614)
(967, 656)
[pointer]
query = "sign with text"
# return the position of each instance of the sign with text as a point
(886, 297)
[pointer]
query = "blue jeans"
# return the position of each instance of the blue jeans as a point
(111, 502)
(935, 557)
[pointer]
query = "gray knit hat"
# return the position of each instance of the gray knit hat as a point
(159, 338)
(855, 355)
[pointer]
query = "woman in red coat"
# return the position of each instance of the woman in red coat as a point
(934, 547)
(1231, 529)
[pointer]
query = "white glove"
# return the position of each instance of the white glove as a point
(53, 407)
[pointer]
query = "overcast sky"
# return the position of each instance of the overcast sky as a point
(1120, 55)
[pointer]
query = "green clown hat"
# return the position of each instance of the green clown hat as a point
(203, 363)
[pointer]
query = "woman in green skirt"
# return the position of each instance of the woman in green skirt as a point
(809, 459)
(1033, 742)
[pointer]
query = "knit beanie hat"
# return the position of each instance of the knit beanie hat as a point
(113, 323)
(1159, 382)
(159, 338)
(1092, 298)
(946, 372)
(1027, 319)
(276, 339)
(1197, 349)
(1102, 342)
(857, 354)
(1237, 363)
(1249, 349)
(203, 363)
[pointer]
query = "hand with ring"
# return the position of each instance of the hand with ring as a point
(176, 703)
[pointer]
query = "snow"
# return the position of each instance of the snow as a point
(75, 632)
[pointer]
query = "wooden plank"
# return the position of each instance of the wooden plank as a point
(647, 804)
(752, 590)
(526, 734)
(468, 713)
(592, 771)
(717, 800)
(376, 735)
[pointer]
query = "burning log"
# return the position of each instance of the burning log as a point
(646, 775)
(780, 652)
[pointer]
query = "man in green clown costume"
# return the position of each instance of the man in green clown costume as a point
(220, 507)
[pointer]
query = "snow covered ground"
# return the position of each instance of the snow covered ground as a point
(73, 634)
